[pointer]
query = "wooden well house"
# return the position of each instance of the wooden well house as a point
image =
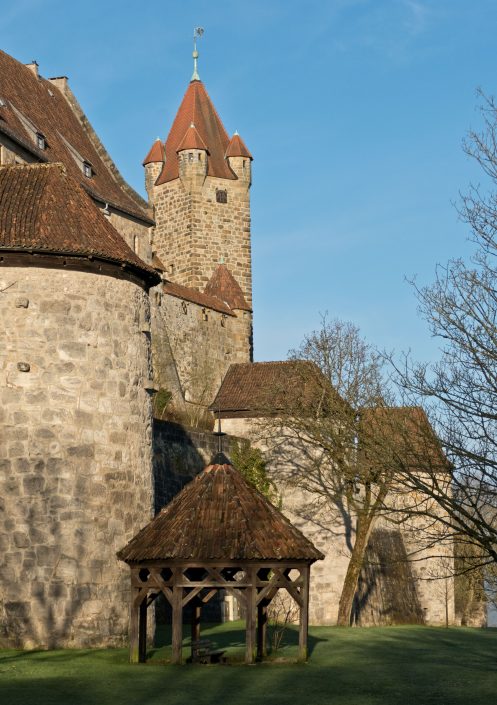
(218, 533)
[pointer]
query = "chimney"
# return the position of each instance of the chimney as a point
(60, 82)
(33, 66)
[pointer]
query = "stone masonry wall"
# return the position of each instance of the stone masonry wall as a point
(136, 234)
(179, 454)
(194, 233)
(328, 531)
(75, 453)
(204, 343)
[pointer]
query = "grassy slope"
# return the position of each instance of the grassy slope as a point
(396, 665)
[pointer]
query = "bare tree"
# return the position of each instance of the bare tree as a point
(459, 392)
(322, 444)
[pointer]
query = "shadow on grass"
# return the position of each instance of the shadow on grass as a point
(229, 637)
(374, 666)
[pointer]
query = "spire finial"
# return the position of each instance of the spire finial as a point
(197, 33)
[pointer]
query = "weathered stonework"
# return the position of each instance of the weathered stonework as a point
(327, 530)
(75, 449)
(194, 233)
(203, 343)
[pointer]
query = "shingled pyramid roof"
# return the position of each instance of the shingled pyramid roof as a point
(156, 153)
(44, 210)
(237, 147)
(224, 286)
(197, 108)
(219, 516)
(191, 140)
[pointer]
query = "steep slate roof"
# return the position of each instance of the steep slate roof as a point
(252, 389)
(44, 107)
(219, 516)
(196, 297)
(44, 210)
(224, 286)
(197, 108)
(237, 147)
(156, 153)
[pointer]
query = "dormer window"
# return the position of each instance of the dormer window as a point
(221, 196)
(87, 170)
(41, 142)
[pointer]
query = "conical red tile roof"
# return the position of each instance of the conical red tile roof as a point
(192, 140)
(197, 108)
(224, 285)
(44, 210)
(219, 516)
(156, 153)
(237, 147)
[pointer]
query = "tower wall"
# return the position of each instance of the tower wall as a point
(194, 232)
(75, 444)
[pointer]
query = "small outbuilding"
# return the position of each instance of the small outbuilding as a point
(218, 533)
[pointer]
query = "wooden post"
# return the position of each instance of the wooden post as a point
(261, 629)
(251, 618)
(196, 614)
(142, 632)
(304, 613)
(177, 627)
(134, 655)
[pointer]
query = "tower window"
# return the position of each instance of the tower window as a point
(190, 156)
(221, 196)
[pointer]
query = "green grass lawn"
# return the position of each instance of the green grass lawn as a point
(391, 666)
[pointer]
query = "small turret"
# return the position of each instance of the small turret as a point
(153, 163)
(192, 159)
(239, 159)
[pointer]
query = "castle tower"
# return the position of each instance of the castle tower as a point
(199, 184)
(75, 412)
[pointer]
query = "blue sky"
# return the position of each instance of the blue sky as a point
(353, 109)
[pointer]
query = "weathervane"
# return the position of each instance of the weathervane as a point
(197, 33)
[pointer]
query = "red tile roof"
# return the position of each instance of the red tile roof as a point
(45, 109)
(196, 297)
(237, 147)
(191, 140)
(254, 389)
(197, 108)
(219, 516)
(44, 210)
(156, 153)
(224, 286)
(404, 433)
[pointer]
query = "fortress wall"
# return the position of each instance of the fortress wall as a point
(329, 531)
(204, 343)
(75, 443)
(180, 453)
